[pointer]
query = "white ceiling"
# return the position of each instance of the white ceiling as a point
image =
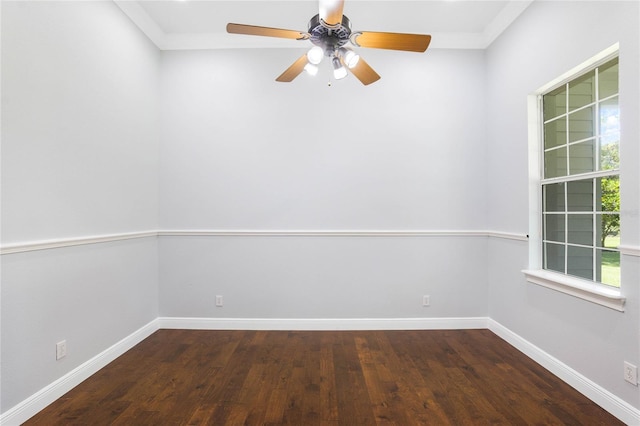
(200, 24)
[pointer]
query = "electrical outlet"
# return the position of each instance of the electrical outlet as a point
(218, 300)
(426, 300)
(61, 349)
(631, 373)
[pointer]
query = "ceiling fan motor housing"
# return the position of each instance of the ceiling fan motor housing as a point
(329, 38)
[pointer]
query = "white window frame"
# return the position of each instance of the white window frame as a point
(601, 294)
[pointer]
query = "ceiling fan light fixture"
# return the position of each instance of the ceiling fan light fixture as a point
(330, 32)
(349, 57)
(311, 69)
(315, 55)
(339, 71)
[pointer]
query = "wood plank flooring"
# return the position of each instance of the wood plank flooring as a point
(435, 377)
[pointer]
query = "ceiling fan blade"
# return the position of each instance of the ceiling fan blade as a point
(294, 70)
(331, 11)
(392, 41)
(266, 31)
(364, 72)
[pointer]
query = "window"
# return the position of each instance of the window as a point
(574, 183)
(580, 182)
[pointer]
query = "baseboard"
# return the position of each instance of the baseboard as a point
(322, 323)
(610, 402)
(45, 396)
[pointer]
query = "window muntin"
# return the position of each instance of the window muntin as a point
(580, 185)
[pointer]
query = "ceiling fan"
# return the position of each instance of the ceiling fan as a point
(330, 33)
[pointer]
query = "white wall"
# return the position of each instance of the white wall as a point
(91, 296)
(242, 152)
(549, 39)
(79, 159)
(323, 277)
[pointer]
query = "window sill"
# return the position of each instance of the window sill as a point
(583, 289)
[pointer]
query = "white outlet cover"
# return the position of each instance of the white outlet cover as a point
(61, 349)
(631, 373)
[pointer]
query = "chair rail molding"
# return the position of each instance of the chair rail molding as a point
(27, 246)
(71, 242)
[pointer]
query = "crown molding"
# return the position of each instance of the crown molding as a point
(221, 40)
(503, 20)
(141, 18)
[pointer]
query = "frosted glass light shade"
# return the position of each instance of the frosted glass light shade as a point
(339, 72)
(311, 69)
(315, 54)
(351, 58)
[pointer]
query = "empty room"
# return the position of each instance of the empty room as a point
(320, 212)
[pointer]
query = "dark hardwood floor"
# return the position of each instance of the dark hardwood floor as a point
(187, 377)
